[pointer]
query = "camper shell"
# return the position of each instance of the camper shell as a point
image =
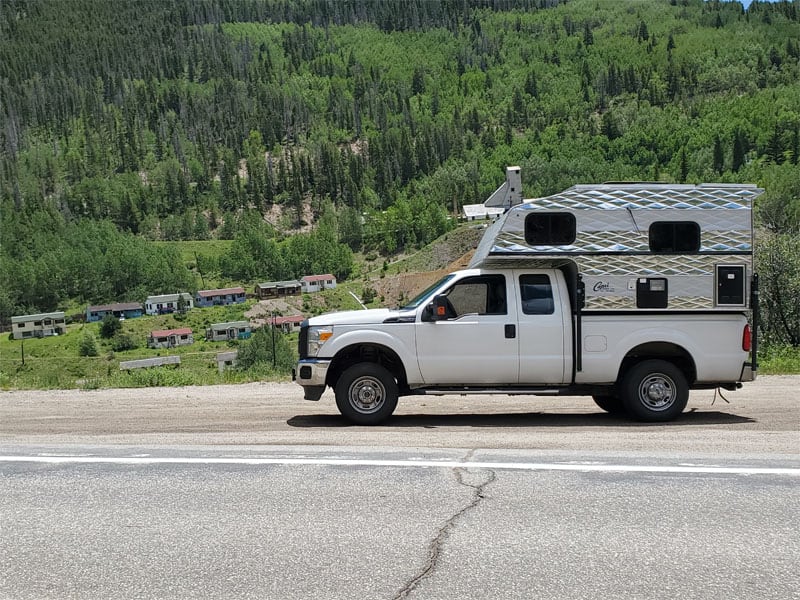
(635, 246)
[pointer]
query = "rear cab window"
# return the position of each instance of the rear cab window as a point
(536, 294)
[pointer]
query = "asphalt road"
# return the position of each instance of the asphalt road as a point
(251, 492)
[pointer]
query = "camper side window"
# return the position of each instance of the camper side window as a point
(550, 229)
(671, 237)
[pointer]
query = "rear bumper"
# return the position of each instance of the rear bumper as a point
(748, 374)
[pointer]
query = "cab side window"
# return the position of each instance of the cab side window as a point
(536, 294)
(482, 295)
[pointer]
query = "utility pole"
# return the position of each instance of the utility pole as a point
(274, 359)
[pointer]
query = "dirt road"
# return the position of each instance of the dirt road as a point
(762, 418)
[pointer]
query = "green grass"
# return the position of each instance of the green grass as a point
(55, 362)
(779, 360)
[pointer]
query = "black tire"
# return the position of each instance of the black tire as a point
(366, 394)
(610, 404)
(654, 391)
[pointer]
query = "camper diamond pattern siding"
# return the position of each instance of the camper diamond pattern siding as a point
(663, 264)
(616, 240)
(612, 249)
(652, 195)
(621, 303)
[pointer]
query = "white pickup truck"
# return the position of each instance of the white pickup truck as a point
(630, 293)
(513, 332)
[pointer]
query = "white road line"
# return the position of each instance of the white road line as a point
(443, 464)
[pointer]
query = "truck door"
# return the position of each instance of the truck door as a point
(476, 344)
(544, 328)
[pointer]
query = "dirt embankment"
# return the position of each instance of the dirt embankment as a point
(405, 278)
(450, 253)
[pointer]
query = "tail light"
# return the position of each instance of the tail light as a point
(747, 339)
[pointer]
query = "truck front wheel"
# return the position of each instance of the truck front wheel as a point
(654, 390)
(366, 394)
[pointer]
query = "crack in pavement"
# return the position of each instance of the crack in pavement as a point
(435, 547)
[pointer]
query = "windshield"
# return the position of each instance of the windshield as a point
(423, 297)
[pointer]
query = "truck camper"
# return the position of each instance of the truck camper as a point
(632, 293)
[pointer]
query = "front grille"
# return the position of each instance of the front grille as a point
(302, 341)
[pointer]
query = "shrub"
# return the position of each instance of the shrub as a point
(778, 264)
(368, 294)
(123, 341)
(109, 326)
(259, 350)
(87, 346)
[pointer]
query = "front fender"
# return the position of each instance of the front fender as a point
(400, 340)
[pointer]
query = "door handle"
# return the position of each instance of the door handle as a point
(511, 331)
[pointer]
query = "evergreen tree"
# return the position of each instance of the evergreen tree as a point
(794, 146)
(739, 151)
(774, 148)
(683, 165)
(719, 156)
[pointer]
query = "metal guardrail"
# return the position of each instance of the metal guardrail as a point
(143, 363)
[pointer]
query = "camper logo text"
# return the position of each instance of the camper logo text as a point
(603, 286)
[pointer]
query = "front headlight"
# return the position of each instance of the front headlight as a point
(316, 337)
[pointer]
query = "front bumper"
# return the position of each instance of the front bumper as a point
(311, 374)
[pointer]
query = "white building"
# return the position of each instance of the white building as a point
(316, 283)
(475, 212)
(232, 330)
(167, 303)
(287, 324)
(170, 338)
(37, 326)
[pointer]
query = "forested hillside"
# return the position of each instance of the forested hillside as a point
(307, 130)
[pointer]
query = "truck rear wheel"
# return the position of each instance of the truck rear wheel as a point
(654, 390)
(366, 394)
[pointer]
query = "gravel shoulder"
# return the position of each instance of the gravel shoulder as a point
(761, 419)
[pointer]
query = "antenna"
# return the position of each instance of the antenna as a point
(364, 306)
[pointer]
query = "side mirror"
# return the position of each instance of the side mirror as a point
(439, 308)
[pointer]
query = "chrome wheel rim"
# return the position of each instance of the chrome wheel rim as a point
(367, 395)
(657, 392)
